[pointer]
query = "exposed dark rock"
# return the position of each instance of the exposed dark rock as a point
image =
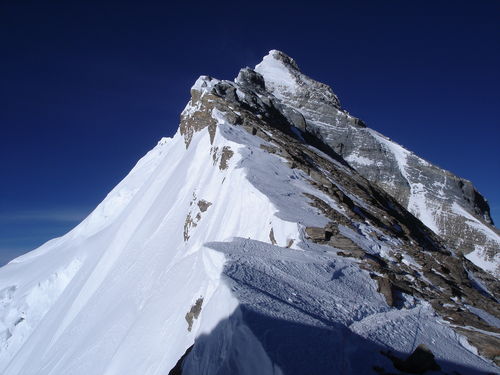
(203, 205)
(385, 288)
(318, 234)
(177, 370)
(487, 345)
(270, 149)
(193, 313)
(227, 154)
(341, 242)
(188, 223)
(215, 155)
(271, 237)
(250, 78)
(194, 121)
(419, 362)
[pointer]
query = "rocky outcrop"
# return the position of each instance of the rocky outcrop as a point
(226, 155)
(203, 205)
(194, 216)
(198, 113)
(419, 362)
(193, 313)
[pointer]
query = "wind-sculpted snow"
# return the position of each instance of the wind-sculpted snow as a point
(244, 245)
(310, 312)
(24, 306)
(138, 277)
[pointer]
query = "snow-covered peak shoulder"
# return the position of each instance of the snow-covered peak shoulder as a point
(284, 80)
(276, 55)
(197, 113)
(277, 61)
(204, 83)
(280, 74)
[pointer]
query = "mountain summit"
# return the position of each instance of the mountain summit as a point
(273, 234)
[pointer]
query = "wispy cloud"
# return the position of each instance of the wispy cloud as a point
(53, 215)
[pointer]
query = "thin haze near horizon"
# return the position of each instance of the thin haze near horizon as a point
(87, 89)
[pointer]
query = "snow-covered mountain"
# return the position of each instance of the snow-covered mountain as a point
(447, 204)
(246, 245)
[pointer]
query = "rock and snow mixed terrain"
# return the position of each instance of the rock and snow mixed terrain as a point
(246, 245)
(444, 202)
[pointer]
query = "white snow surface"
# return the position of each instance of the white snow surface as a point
(488, 318)
(426, 211)
(358, 159)
(479, 256)
(279, 81)
(111, 296)
(418, 203)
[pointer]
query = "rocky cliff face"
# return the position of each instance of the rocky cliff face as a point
(246, 245)
(447, 204)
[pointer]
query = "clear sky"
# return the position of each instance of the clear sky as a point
(87, 88)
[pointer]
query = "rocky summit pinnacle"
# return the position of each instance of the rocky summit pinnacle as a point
(274, 233)
(285, 81)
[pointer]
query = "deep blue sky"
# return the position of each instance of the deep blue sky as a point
(87, 88)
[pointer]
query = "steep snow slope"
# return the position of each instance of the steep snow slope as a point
(427, 191)
(240, 239)
(111, 296)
